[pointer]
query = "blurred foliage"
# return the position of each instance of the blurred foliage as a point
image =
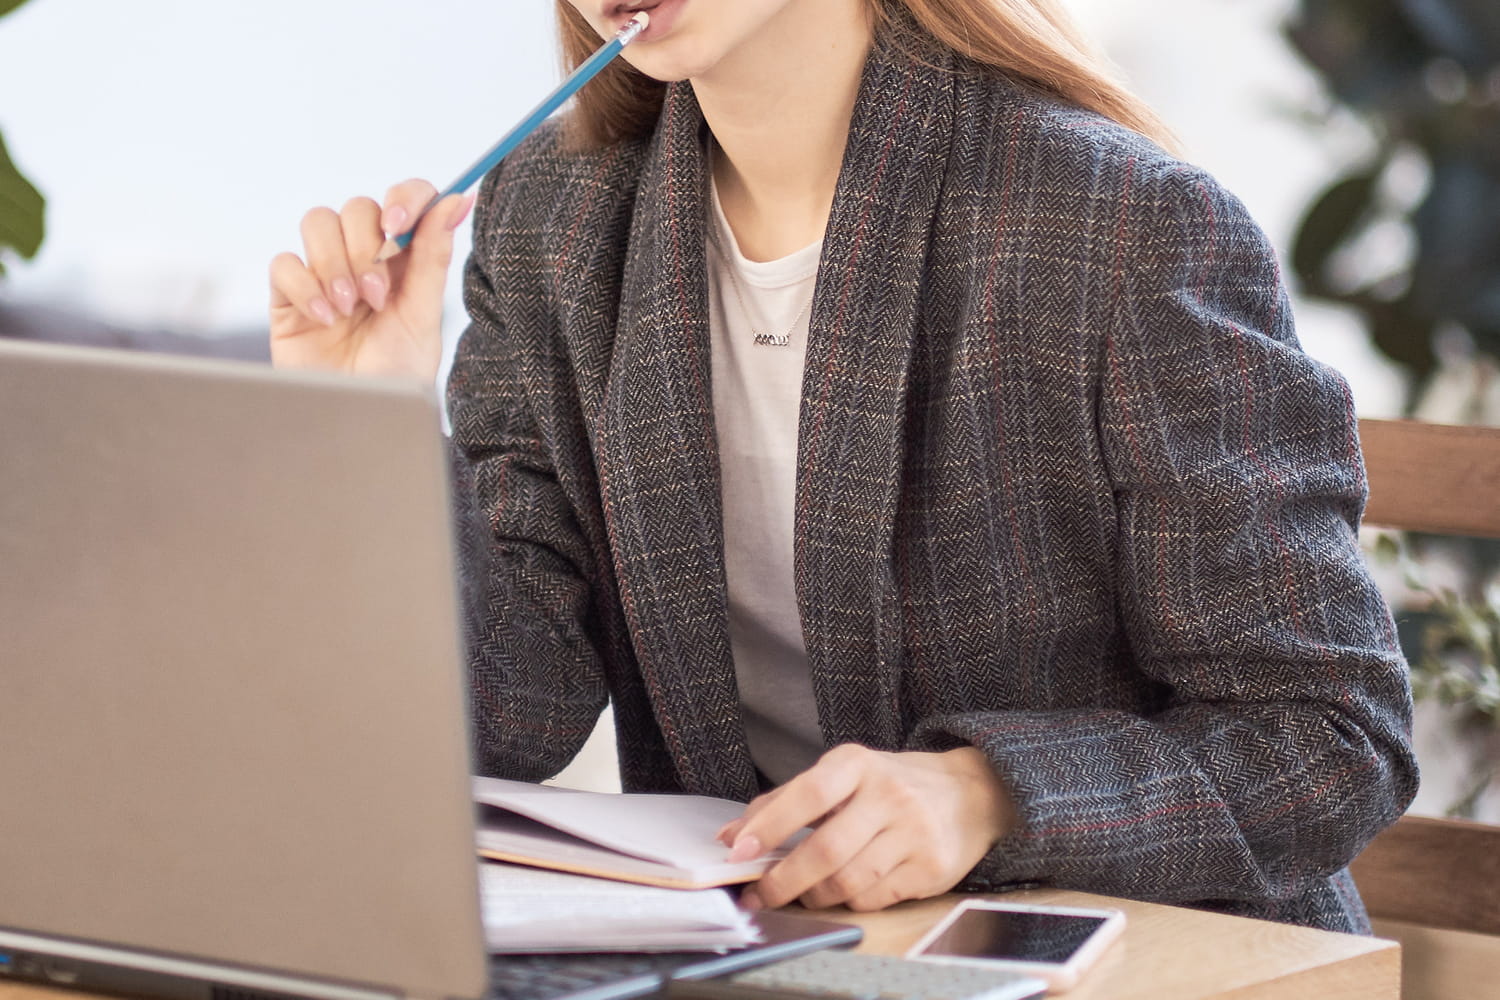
(1424, 75)
(22, 209)
(1410, 239)
(1455, 661)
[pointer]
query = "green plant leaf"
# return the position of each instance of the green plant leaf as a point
(1332, 219)
(6, 6)
(22, 210)
(1402, 334)
(1365, 50)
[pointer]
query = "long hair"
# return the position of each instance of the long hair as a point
(1031, 40)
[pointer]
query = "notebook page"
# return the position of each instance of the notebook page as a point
(527, 909)
(672, 829)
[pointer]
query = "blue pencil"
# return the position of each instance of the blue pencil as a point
(580, 76)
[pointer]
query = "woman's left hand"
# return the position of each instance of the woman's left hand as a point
(889, 826)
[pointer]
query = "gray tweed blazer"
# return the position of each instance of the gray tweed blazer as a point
(1068, 491)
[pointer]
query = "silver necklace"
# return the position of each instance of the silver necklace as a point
(761, 339)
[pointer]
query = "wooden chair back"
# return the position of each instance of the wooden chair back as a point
(1438, 478)
(1434, 884)
(1442, 873)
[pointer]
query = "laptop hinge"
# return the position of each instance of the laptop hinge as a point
(99, 967)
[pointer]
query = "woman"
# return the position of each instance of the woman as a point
(888, 426)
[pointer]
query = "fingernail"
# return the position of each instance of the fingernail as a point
(374, 290)
(344, 296)
(394, 222)
(744, 849)
(750, 900)
(463, 214)
(322, 311)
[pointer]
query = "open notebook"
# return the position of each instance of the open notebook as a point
(661, 840)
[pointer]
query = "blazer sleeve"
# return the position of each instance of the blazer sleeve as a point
(536, 681)
(1284, 743)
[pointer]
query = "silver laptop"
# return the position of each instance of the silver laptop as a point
(233, 752)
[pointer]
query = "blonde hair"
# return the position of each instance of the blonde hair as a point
(1031, 40)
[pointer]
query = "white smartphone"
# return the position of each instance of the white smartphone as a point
(1053, 943)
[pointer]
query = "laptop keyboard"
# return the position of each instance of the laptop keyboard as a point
(579, 977)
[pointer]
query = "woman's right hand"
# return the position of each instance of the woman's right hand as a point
(341, 310)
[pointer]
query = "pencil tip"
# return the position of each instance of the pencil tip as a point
(389, 250)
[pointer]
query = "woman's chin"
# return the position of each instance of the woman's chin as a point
(669, 62)
(665, 74)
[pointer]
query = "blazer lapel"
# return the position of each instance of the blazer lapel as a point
(851, 437)
(659, 468)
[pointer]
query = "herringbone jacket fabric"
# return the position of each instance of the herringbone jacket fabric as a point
(1067, 491)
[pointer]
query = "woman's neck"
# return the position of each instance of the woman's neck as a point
(779, 109)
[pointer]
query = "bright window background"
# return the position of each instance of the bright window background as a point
(180, 141)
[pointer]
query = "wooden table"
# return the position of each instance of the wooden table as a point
(1172, 953)
(1167, 953)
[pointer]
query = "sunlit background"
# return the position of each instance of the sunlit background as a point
(178, 142)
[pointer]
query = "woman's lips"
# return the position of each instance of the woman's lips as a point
(620, 14)
(663, 13)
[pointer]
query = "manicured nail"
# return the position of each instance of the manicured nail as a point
(373, 286)
(394, 222)
(344, 295)
(745, 848)
(322, 311)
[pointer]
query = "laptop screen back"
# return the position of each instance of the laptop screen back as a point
(232, 714)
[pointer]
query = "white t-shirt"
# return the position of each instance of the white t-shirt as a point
(757, 393)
